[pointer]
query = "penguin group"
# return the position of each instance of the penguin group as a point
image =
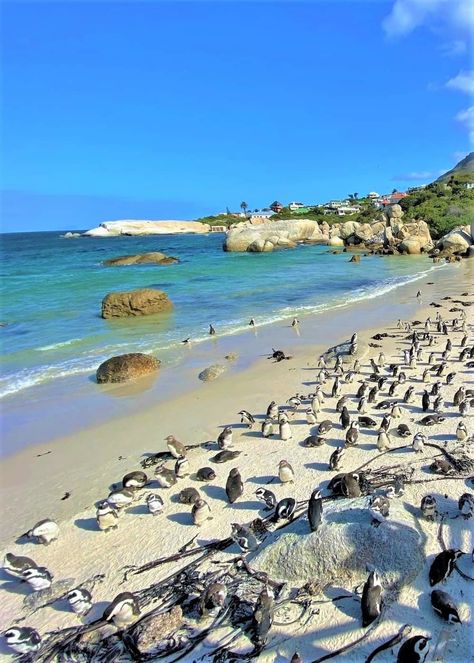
(384, 404)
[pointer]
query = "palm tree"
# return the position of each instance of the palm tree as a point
(351, 196)
(243, 206)
(356, 195)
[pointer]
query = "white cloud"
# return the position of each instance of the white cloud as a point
(464, 82)
(407, 15)
(414, 176)
(466, 118)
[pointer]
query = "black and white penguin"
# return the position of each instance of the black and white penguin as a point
(267, 497)
(284, 510)
(419, 441)
(244, 537)
(189, 496)
(213, 596)
(175, 447)
(315, 510)
(201, 512)
(429, 507)
(155, 504)
(362, 405)
(414, 650)
(164, 476)
(134, 480)
(371, 602)
(106, 516)
(373, 394)
(352, 434)
(409, 395)
(383, 440)
(205, 474)
(22, 639)
(224, 439)
(263, 615)
(311, 418)
(336, 458)
(379, 507)
(119, 499)
(432, 420)
(284, 428)
(16, 565)
(443, 604)
(425, 401)
(246, 418)
(443, 565)
(123, 610)
(362, 389)
(341, 403)
(267, 428)
(314, 441)
(324, 427)
(466, 505)
(181, 467)
(294, 402)
(403, 430)
(345, 418)
(366, 422)
(350, 485)
(80, 601)
(272, 411)
(44, 531)
(212, 331)
(461, 431)
(38, 578)
(234, 487)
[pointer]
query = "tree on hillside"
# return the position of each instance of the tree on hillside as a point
(356, 195)
(243, 206)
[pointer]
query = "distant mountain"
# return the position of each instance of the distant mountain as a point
(463, 168)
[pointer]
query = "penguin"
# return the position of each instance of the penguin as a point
(315, 404)
(45, 531)
(234, 487)
(294, 402)
(244, 537)
(336, 388)
(444, 606)
(362, 389)
(315, 510)
(134, 480)
(15, 565)
(272, 411)
(354, 338)
(429, 507)
(362, 405)
(181, 468)
(450, 378)
(426, 376)
(464, 408)
(385, 423)
(408, 396)
(345, 418)
(314, 441)
(224, 440)
(213, 596)
(385, 405)
(414, 650)
(396, 412)
(205, 474)
(352, 434)
(285, 428)
(295, 322)
(296, 658)
(175, 447)
(212, 331)
(223, 457)
(23, 639)
(284, 510)
(432, 419)
(381, 360)
(189, 496)
(106, 516)
(324, 427)
(356, 366)
(285, 472)
(393, 389)
(200, 512)
(443, 565)
(164, 476)
(267, 497)
(262, 618)
(466, 505)
(319, 395)
(350, 485)
(155, 504)
(246, 418)
(38, 578)
(366, 422)
(252, 322)
(383, 441)
(80, 601)
(123, 610)
(438, 404)
(119, 499)
(461, 431)
(342, 403)
(459, 396)
(371, 602)
(310, 417)
(436, 389)
(418, 443)
(336, 458)
(425, 401)
(379, 507)
(403, 430)
(267, 428)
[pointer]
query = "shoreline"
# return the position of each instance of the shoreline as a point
(67, 399)
(87, 463)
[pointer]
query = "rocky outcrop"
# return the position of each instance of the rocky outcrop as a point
(132, 227)
(149, 634)
(273, 235)
(212, 372)
(123, 368)
(457, 241)
(145, 301)
(154, 258)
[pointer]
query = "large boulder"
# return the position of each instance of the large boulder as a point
(335, 241)
(394, 212)
(348, 228)
(415, 230)
(411, 245)
(270, 235)
(145, 301)
(123, 368)
(154, 258)
(342, 548)
(458, 240)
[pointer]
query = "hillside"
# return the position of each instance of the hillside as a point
(463, 168)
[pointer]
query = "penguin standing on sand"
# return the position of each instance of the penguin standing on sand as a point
(315, 510)
(155, 504)
(234, 487)
(336, 458)
(352, 434)
(285, 472)
(267, 428)
(425, 401)
(429, 507)
(224, 440)
(175, 447)
(345, 418)
(246, 418)
(371, 603)
(272, 411)
(200, 512)
(106, 516)
(285, 428)
(267, 497)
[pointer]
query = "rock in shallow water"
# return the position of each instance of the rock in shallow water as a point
(212, 372)
(145, 301)
(126, 367)
(343, 546)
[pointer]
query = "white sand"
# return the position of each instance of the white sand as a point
(86, 464)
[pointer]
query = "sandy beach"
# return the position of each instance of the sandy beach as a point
(64, 478)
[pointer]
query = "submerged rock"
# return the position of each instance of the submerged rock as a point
(126, 367)
(145, 301)
(154, 257)
(212, 372)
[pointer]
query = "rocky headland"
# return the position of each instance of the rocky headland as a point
(136, 227)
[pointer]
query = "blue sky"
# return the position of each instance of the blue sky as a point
(173, 110)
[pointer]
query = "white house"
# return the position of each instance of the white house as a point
(294, 206)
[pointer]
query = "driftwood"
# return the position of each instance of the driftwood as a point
(402, 633)
(352, 644)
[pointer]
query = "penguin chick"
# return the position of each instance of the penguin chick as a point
(175, 447)
(123, 610)
(201, 512)
(234, 487)
(106, 516)
(285, 472)
(213, 597)
(155, 504)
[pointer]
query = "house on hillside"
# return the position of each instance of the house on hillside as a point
(293, 207)
(344, 210)
(261, 215)
(390, 199)
(469, 185)
(276, 207)
(373, 195)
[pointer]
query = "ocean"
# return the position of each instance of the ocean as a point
(52, 290)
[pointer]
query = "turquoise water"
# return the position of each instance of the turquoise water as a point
(53, 287)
